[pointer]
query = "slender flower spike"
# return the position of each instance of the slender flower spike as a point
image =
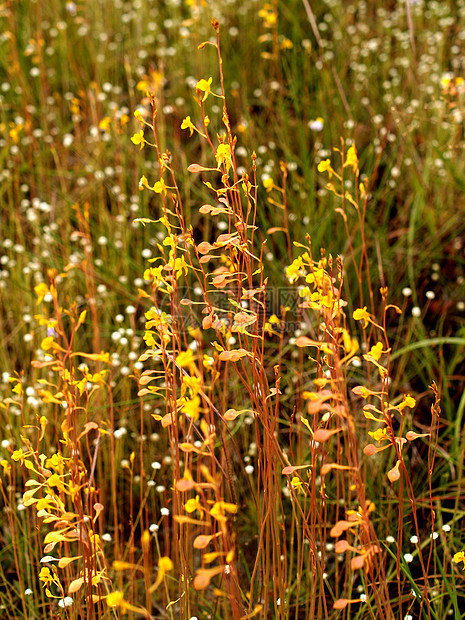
(187, 124)
(205, 87)
(138, 138)
(352, 159)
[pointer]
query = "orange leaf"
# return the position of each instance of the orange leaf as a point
(341, 546)
(75, 585)
(357, 562)
(198, 168)
(340, 528)
(322, 434)
(204, 576)
(303, 341)
(290, 469)
(394, 473)
(202, 541)
(232, 356)
(63, 562)
(184, 485)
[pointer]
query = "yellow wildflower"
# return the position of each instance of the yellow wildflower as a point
(223, 156)
(138, 138)
(459, 557)
(294, 271)
(361, 314)
(160, 187)
(187, 124)
(352, 159)
(407, 401)
(379, 435)
(40, 290)
(194, 504)
(105, 123)
(325, 166)
(376, 351)
(204, 86)
(138, 115)
(297, 484)
(268, 184)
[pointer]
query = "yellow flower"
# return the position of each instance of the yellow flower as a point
(297, 484)
(40, 290)
(180, 267)
(325, 166)
(105, 124)
(47, 343)
(192, 408)
(45, 576)
(223, 156)
(268, 15)
(361, 314)
(160, 187)
(164, 564)
(407, 401)
(185, 359)
(293, 272)
(204, 86)
(268, 184)
(194, 504)
(219, 508)
(286, 44)
(459, 557)
(115, 599)
(18, 455)
(138, 115)
(143, 183)
(379, 435)
(138, 138)
(352, 159)
(187, 124)
(376, 351)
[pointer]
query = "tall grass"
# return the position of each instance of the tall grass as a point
(206, 414)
